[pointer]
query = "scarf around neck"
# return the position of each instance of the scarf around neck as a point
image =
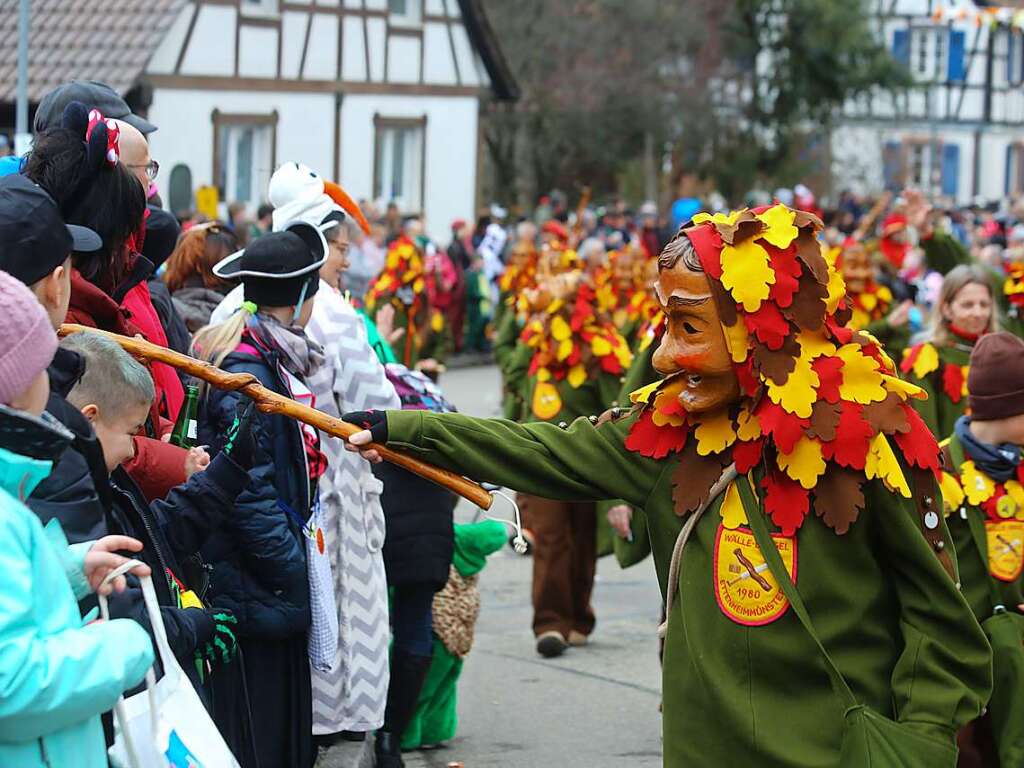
(301, 355)
(997, 461)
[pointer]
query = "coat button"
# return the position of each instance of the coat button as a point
(562, 425)
(928, 501)
(592, 418)
(931, 521)
(616, 412)
(940, 545)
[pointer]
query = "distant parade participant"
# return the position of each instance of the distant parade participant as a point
(520, 274)
(963, 313)
(772, 417)
(983, 490)
(402, 284)
(870, 302)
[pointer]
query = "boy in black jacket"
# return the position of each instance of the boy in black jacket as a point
(114, 395)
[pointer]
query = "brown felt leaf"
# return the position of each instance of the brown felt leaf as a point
(843, 315)
(723, 301)
(806, 219)
(887, 416)
(808, 250)
(693, 477)
(745, 226)
(777, 364)
(838, 498)
(824, 420)
(808, 307)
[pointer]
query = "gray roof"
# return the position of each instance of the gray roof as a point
(106, 40)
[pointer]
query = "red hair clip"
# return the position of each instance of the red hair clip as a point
(113, 154)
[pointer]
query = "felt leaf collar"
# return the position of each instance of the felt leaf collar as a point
(999, 501)
(821, 405)
(923, 360)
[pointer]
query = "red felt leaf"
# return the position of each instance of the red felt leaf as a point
(785, 428)
(749, 383)
(785, 500)
(953, 382)
(574, 356)
(648, 439)
(829, 376)
(918, 443)
(838, 332)
(1020, 472)
(768, 324)
(911, 358)
(708, 245)
(990, 506)
(850, 448)
(787, 274)
(610, 363)
(747, 454)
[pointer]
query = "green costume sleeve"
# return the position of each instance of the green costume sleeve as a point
(943, 252)
(927, 409)
(580, 463)
(515, 382)
(943, 676)
(505, 339)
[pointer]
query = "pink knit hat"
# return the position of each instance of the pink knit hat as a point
(27, 340)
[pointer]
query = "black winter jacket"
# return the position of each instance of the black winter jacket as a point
(259, 565)
(419, 540)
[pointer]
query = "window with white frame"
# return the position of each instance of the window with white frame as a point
(399, 161)
(244, 156)
(405, 13)
(928, 52)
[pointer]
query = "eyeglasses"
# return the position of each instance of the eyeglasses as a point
(152, 169)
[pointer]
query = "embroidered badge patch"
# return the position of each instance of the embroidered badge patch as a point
(745, 588)
(546, 401)
(1005, 548)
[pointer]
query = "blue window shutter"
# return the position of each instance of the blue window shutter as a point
(950, 169)
(1009, 56)
(955, 69)
(891, 165)
(901, 46)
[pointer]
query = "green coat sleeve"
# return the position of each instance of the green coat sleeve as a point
(943, 252)
(505, 339)
(581, 463)
(943, 677)
(927, 409)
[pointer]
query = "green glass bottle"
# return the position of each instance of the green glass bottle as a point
(186, 429)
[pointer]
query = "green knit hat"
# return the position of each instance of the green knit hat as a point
(474, 542)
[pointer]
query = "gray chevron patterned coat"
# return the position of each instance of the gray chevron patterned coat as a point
(352, 695)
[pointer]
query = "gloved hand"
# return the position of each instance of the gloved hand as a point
(240, 445)
(375, 421)
(222, 646)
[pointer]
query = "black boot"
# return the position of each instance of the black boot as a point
(407, 675)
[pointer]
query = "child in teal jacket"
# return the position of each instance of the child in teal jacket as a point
(456, 608)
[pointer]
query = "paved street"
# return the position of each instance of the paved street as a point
(595, 707)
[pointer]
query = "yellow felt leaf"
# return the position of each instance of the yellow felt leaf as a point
(437, 322)
(643, 395)
(903, 388)
(814, 344)
(797, 395)
(926, 362)
(747, 427)
(868, 301)
(543, 374)
(964, 370)
(732, 512)
(881, 462)
(717, 218)
(714, 433)
(977, 486)
(560, 330)
(736, 339)
(805, 464)
(577, 375)
(889, 366)
(862, 381)
(836, 290)
(564, 348)
(780, 232)
(747, 274)
(600, 346)
(1016, 492)
(554, 306)
(952, 493)
(666, 410)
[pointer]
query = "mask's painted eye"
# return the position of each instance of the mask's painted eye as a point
(689, 328)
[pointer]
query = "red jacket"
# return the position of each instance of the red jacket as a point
(157, 466)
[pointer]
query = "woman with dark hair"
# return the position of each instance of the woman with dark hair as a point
(196, 290)
(77, 164)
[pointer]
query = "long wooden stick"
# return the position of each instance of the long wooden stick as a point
(269, 401)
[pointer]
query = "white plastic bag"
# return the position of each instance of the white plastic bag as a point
(165, 726)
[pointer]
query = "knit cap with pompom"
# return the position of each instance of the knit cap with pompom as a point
(27, 340)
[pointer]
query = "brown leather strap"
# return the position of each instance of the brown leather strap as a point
(929, 516)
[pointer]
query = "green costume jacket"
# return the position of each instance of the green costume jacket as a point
(941, 410)
(735, 695)
(513, 360)
(942, 252)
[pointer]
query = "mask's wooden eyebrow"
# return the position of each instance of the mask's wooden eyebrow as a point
(675, 302)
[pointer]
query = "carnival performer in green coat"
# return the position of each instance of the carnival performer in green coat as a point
(983, 491)
(764, 387)
(963, 312)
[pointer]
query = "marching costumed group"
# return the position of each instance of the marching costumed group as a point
(830, 484)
